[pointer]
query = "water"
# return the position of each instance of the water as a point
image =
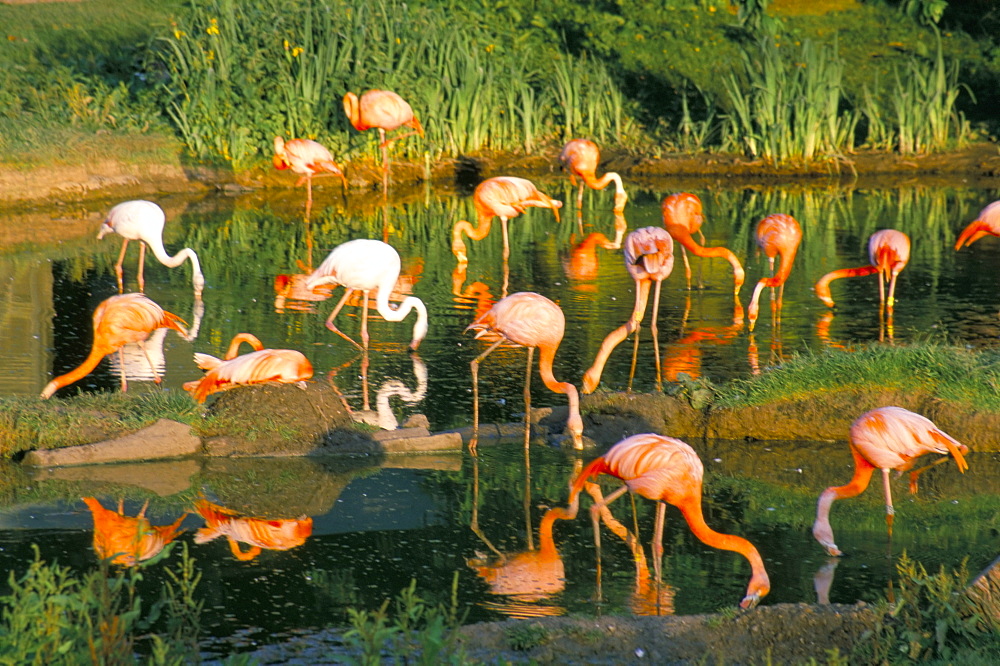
(376, 527)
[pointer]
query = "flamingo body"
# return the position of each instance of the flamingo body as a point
(127, 540)
(888, 252)
(385, 111)
(259, 533)
(530, 320)
(682, 218)
(119, 320)
(307, 158)
(777, 235)
(284, 366)
(143, 221)
(581, 157)
(887, 438)
(365, 265)
(505, 197)
(986, 224)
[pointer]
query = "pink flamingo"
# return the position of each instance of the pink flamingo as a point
(581, 157)
(284, 366)
(888, 252)
(307, 158)
(682, 218)
(777, 234)
(385, 111)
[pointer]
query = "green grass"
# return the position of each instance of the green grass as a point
(948, 373)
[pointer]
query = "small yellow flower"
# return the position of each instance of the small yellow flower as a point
(711, 9)
(286, 44)
(397, 41)
(697, 50)
(213, 28)
(639, 38)
(296, 51)
(210, 55)
(490, 48)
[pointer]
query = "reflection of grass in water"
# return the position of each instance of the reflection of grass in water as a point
(339, 585)
(947, 373)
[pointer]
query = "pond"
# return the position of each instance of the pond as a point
(377, 524)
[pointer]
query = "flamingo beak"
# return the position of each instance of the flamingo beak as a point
(750, 601)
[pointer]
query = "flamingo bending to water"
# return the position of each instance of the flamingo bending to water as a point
(581, 157)
(143, 221)
(385, 111)
(888, 252)
(667, 471)
(285, 366)
(365, 265)
(986, 224)
(504, 197)
(307, 158)
(887, 438)
(119, 320)
(682, 218)
(649, 258)
(529, 320)
(777, 234)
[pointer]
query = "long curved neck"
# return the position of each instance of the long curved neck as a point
(197, 279)
(595, 183)
(685, 239)
(574, 423)
(784, 270)
(399, 314)
(476, 233)
(97, 352)
(238, 339)
(863, 471)
(823, 285)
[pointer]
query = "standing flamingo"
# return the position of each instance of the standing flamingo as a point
(682, 218)
(385, 111)
(307, 158)
(888, 252)
(504, 197)
(581, 157)
(886, 438)
(363, 265)
(143, 221)
(127, 540)
(777, 234)
(119, 320)
(285, 366)
(649, 258)
(529, 320)
(987, 224)
(665, 470)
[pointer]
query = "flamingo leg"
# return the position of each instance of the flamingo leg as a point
(474, 365)
(917, 472)
(881, 293)
(527, 398)
(506, 243)
(596, 510)
(384, 145)
(656, 338)
(657, 548)
(891, 301)
(890, 512)
(121, 366)
(687, 267)
(329, 320)
(118, 267)
(152, 366)
(635, 357)
(579, 197)
(364, 319)
(142, 263)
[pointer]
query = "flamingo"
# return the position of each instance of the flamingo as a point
(887, 438)
(260, 533)
(682, 218)
(987, 224)
(363, 265)
(119, 320)
(385, 111)
(777, 234)
(649, 258)
(307, 158)
(285, 366)
(888, 252)
(667, 471)
(143, 221)
(529, 320)
(504, 197)
(127, 540)
(581, 157)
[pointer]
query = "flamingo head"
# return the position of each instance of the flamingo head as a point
(823, 533)
(759, 586)
(972, 233)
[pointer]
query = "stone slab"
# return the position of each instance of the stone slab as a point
(163, 439)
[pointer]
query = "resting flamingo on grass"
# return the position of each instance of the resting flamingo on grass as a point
(986, 224)
(119, 320)
(307, 158)
(777, 234)
(261, 366)
(887, 438)
(529, 320)
(667, 471)
(505, 197)
(365, 265)
(888, 252)
(581, 157)
(385, 111)
(682, 218)
(143, 221)
(649, 258)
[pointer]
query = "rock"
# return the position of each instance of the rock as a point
(163, 439)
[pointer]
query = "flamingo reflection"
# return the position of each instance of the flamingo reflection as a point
(888, 252)
(684, 356)
(259, 533)
(583, 262)
(777, 235)
(581, 158)
(382, 416)
(649, 258)
(505, 197)
(682, 218)
(127, 540)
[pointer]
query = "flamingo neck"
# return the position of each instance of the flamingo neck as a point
(685, 239)
(595, 183)
(574, 423)
(822, 287)
(197, 279)
(822, 530)
(399, 314)
(476, 233)
(97, 352)
(238, 339)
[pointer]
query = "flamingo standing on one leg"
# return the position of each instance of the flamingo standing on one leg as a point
(363, 265)
(667, 471)
(888, 252)
(986, 224)
(504, 197)
(649, 258)
(886, 438)
(119, 320)
(529, 320)
(143, 221)
(777, 234)
(284, 366)
(385, 111)
(682, 218)
(581, 157)
(307, 158)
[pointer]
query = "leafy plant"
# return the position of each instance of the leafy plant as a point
(526, 636)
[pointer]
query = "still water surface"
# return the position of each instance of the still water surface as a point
(375, 527)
